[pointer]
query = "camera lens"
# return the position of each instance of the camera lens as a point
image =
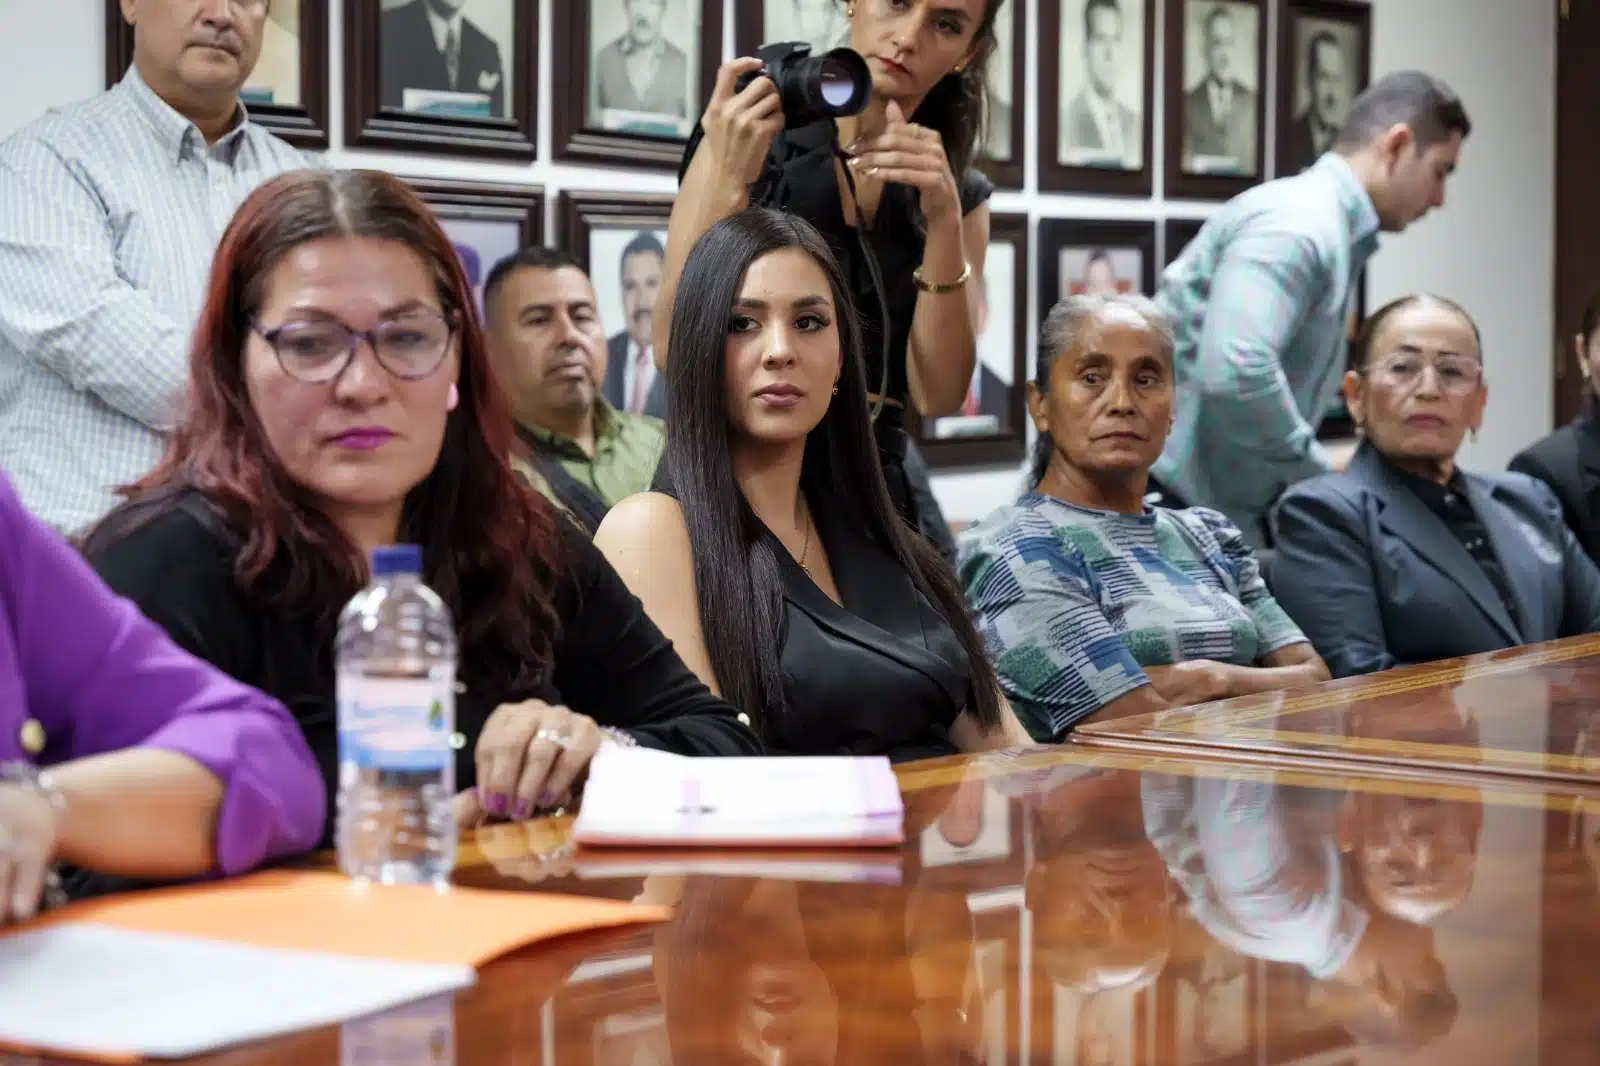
(837, 82)
(838, 87)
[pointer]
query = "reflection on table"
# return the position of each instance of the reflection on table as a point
(1064, 907)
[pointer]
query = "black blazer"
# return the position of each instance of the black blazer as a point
(1376, 579)
(1568, 460)
(610, 662)
(411, 59)
(615, 387)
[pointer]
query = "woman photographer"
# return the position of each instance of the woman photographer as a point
(908, 192)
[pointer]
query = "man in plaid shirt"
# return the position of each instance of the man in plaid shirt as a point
(1261, 298)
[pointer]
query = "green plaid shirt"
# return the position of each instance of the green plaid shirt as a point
(1260, 301)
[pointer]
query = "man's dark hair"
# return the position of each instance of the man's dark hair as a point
(526, 259)
(1410, 97)
(1091, 6)
(1320, 38)
(642, 242)
(1219, 12)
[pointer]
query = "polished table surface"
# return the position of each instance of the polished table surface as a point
(1531, 713)
(1058, 906)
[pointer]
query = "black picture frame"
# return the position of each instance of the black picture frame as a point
(1057, 176)
(1009, 445)
(1176, 233)
(1289, 155)
(520, 208)
(368, 124)
(1059, 234)
(578, 214)
(304, 125)
(1180, 183)
(572, 136)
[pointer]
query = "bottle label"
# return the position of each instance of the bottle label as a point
(396, 724)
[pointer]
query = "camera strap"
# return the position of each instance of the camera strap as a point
(873, 269)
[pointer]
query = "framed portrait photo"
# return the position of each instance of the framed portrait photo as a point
(1098, 93)
(485, 222)
(991, 428)
(621, 240)
(1001, 153)
(632, 77)
(1324, 61)
(287, 89)
(1079, 256)
(1216, 60)
(450, 76)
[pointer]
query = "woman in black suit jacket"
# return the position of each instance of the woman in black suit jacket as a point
(1405, 558)
(1568, 460)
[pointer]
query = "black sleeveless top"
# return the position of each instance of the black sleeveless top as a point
(882, 675)
(799, 177)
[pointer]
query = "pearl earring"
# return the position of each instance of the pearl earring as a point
(850, 12)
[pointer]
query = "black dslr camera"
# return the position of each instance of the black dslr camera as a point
(812, 87)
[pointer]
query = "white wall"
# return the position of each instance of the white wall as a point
(1491, 248)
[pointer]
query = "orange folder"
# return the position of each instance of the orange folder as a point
(303, 910)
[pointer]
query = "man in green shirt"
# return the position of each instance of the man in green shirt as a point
(549, 351)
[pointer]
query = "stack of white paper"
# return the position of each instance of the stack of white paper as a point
(640, 797)
(92, 990)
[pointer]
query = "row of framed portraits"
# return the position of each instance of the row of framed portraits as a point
(631, 77)
(487, 222)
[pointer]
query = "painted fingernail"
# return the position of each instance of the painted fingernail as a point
(521, 810)
(496, 803)
(547, 799)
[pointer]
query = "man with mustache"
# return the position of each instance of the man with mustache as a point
(632, 381)
(641, 71)
(549, 352)
(110, 211)
(428, 45)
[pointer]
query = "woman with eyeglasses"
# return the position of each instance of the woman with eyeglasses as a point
(340, 399)
(1406, 558)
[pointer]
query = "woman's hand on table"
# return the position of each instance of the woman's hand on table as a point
(28, 838)
(531, 757)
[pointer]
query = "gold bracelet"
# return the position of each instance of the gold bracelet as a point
(952, 286)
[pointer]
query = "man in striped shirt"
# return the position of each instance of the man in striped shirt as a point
(1260, 300)
(110, 211)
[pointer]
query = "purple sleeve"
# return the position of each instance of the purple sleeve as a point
(101, 677)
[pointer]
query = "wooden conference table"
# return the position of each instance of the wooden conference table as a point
(1116, 906)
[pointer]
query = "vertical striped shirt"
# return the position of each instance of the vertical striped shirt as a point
(110, 212)
(1260, 301)
(1074, 603)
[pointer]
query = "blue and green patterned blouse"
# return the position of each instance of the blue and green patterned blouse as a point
(1073, 603)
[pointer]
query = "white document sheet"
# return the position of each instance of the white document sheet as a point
(641, 798)
(94, 990)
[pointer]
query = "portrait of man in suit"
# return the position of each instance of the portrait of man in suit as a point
(1326, 85)
(436, 56)
(1100, 271)
(1099, 128)
(632, 382)
(276, 77)
(997, 89)
(641, 79)
(1219, 105)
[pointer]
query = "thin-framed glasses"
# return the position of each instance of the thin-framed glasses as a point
(410, 346)
(1456, 375)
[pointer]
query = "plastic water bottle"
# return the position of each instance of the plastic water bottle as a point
(396, 655)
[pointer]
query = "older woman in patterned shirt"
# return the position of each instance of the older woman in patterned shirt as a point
(1092, 603)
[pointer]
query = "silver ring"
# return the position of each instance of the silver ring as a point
(560, 738)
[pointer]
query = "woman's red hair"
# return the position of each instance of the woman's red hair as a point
(489, 541)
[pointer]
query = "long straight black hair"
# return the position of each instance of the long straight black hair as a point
(737, 581)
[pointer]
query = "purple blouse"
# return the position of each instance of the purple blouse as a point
(96, 676)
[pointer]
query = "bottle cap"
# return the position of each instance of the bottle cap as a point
(397, 559)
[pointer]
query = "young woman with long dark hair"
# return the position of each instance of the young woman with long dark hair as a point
(772, 556)
(340, 399)
(911, 194)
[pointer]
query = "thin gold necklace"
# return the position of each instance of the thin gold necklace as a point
(805, 547)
